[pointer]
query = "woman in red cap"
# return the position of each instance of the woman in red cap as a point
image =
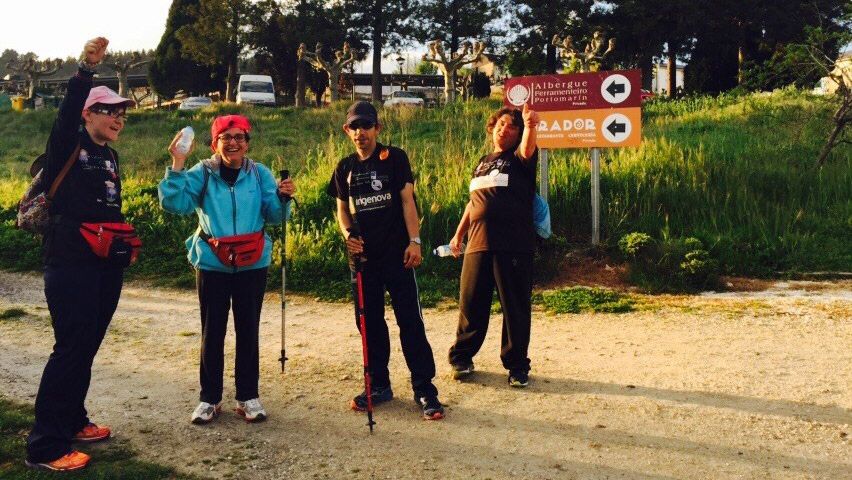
(233, 197)
(81, 287)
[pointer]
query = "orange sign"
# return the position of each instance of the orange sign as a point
(604, 127)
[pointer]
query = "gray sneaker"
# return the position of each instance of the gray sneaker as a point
(205, 413)
(251, 410)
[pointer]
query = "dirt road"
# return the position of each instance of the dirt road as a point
(743, 385)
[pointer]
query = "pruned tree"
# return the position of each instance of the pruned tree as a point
(342, 58)
(122, 63)
(33, 70)
(449, 63)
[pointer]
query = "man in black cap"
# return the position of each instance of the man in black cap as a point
(374, 188)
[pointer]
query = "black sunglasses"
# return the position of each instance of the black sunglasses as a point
(362, 124)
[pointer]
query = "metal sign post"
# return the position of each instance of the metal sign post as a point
(596, 196)
(543, 173)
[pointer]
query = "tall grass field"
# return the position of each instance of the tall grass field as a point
(736, 172)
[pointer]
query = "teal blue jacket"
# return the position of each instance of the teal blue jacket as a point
(244, 208)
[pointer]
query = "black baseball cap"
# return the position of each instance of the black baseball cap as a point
(362, 111)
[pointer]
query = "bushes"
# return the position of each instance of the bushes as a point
(670, 263)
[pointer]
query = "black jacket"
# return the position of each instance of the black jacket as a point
(91, 191)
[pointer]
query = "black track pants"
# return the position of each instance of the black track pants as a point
(401, 284)
(218, 292)
(81, 300)
(511, 273)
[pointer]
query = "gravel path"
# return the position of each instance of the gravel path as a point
(735, 385)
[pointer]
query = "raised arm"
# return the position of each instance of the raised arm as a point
(528, 141)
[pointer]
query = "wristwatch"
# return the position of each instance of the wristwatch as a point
(415, 240)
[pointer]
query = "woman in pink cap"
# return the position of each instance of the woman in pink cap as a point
(234, 198)
(81, 286)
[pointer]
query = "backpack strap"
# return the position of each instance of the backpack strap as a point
(203, 192)
(63, 172)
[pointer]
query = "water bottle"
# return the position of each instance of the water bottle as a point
(444, 250)
(185, 142)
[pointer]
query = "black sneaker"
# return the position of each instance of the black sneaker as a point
(519, 378)
(462, 370)
(432, 408)
(380, 395)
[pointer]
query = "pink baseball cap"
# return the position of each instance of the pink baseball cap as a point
(106, 96)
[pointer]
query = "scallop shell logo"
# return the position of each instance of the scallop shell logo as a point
(518, 95)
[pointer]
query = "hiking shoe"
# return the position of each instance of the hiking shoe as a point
(462, 370)
(519, 379)
(432, 408)
(251, 410)
(205, 413)
(380, 395)
(73, 460)
(92, 433)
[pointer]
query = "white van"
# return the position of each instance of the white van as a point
(256, 89)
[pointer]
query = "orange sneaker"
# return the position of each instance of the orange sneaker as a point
(74, 460)
(92, 433)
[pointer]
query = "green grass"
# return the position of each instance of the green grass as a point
(109, 461)
(582, 299)
(735, 172)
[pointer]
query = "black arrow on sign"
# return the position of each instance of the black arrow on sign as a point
(615, 88)
(616, 128)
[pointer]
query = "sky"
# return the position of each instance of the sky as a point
(65, 26)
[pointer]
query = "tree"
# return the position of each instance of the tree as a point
(452, 21)
(220, 33)
(172, 69)
(816, 56)
(540, 20)
(122, 63)
(33, 70)
(386, 23)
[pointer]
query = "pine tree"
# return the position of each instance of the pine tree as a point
(172, 69)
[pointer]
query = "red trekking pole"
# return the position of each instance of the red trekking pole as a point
(355, 231)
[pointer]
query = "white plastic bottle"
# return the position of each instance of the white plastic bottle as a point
(185, 142)
(444, 250)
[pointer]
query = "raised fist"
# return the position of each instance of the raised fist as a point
(95, 50)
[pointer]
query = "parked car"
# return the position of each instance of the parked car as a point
(401, 97)
(195, 103)
(256, 89)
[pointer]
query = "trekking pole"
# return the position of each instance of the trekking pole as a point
(362, 323)
(284, 174)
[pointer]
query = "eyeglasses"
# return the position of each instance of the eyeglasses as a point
(118, 114)
(239, 138)
(362, 124)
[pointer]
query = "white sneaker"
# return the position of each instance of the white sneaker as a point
(205, 413)
(251, 410)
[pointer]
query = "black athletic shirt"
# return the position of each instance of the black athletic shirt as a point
(91, 192)
(371, 188)
(501, 197)
(228, 174)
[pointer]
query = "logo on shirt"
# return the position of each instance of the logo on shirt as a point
(84, 156)
(111, 192)
(375, 183)
(110, 167)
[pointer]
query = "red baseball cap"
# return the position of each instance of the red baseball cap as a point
(106, 96)
(220, 124)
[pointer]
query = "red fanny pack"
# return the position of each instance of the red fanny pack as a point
(116, 242)
(238, 250)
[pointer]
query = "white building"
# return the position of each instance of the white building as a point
(660, 80)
